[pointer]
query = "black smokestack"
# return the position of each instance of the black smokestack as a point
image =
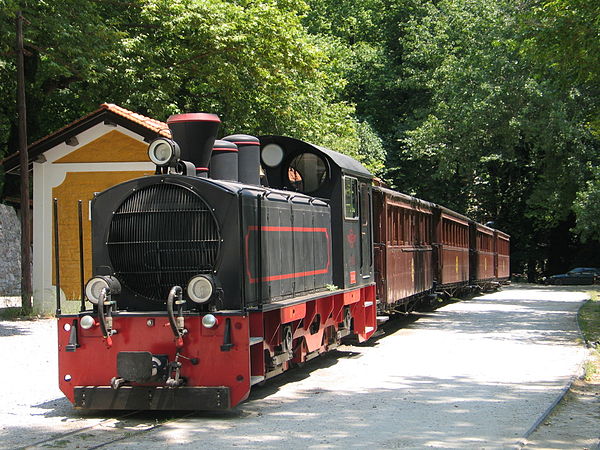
(195, 133)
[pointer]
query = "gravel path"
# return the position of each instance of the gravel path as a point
(474, 374)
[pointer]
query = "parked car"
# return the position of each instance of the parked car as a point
(579, 275)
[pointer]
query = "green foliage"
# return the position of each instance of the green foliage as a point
(562, 36)
(485, 106)
(589, 323)
(481, 107)
(370, 151)
(16, 313)
(587, 209)
(71, 46)
(489, 107)
(253, 63)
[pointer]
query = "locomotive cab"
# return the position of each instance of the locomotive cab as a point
(293, 165)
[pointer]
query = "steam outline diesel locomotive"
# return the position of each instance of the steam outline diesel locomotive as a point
(243, 256)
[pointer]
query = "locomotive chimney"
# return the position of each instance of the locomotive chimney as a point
(224, 161)
(195, 133)
(248, 157)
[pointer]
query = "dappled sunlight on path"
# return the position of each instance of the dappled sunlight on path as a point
(472, 374)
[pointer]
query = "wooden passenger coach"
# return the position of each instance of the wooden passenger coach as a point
(422, 248)
(403, 247)
(502, 252)
(451, 256)
(482, 253)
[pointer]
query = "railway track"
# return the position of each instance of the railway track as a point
(107, 431)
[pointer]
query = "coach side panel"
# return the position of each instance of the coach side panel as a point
(453, 247)
(503, 256)
(481, 241)
(403, 249)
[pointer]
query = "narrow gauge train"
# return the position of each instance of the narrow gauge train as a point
(206, 282)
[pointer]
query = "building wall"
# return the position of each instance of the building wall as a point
(79, 186)
(105, 155)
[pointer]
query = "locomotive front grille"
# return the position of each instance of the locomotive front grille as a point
(161, 236)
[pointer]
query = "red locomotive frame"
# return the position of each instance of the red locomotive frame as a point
(220, 379)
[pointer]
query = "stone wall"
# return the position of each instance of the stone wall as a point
(10, 252)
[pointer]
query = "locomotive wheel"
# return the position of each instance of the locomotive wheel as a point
(347, 322)
(332, 336)
(287, 339)
(315, 326)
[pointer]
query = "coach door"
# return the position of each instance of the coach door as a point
(366, 258)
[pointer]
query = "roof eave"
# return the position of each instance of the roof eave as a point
(12, 164)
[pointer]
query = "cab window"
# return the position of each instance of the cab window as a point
(351, 198)
(306, 173)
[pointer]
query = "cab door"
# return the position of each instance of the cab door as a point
(366, 247)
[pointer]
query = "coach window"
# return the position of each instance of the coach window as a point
(351, 197)
(399, 225)
(406, 230)
(392, 223)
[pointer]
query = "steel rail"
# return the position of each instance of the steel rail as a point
(125, 431)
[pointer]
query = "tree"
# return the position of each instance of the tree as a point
(562, 36)
(562, 39)
(252, 63)
(467, 117)
(587, 209)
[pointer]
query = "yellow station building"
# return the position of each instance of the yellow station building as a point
(104, 148)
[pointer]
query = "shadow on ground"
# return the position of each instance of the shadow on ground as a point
(341, 407)
(13, 329)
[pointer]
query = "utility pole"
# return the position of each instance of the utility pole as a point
(26, 288)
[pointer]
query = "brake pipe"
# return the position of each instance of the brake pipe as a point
(177, 323)
(105, 322)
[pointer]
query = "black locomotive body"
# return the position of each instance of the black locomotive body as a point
(157, 232)
(238, 259)
(346, 186)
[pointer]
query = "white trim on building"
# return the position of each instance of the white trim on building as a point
(48, 175)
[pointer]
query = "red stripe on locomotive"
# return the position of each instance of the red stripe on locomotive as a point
(286, 276)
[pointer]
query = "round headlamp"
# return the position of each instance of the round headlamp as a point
(94, 287)
(87, 322)
(164, 152)
(200, 288)
(209, 321)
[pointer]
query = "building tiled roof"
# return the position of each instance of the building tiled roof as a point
(152, 124)
(145, 126)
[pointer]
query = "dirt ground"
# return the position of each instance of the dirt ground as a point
(474, 374)
(575, 422)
